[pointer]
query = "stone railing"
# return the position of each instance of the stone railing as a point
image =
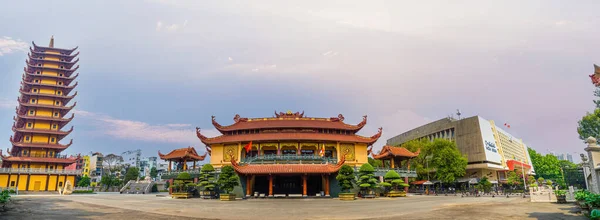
(402, 172)
(39, 171)
(290, 158)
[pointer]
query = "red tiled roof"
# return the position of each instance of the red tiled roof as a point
(418, 182)
(39, 159)
(389, 151)
(278, 136)
(181, 153)
(289, 122)
(286, 168)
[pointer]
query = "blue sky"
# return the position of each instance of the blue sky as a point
(151, 71)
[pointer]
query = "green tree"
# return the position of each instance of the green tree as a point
(420, 163)
(447, 160)
(153, 172)
(228, 179)
(84, 181)
(393, 180)
(547, 166)
(484, 185)
(345, 178)
(108, 181)
(374, 162)
(180, 183)
(589, 125)
(132, 174)
(366, 178)
(513, 178)
(207, 178)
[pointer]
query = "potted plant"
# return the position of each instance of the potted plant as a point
(366, 180)
(346, 180)
(228, 179)
(580, 196)
(561, 196)
(207, 181)
(392, 180)
(181, 186)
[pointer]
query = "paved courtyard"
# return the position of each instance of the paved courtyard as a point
(115, 206)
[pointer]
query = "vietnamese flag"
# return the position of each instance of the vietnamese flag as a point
(248, 147)
(322, 152)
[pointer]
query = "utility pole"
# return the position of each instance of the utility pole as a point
(458, 113)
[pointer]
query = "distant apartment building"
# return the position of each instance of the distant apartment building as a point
(132, 158)
(570, 158)
(560, 156)
(491, 151)
(146, 164)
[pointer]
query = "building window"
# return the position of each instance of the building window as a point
(34, 90)
(289, 151)
(307, 152)
(32, 100)
(52, 140)
(31, 112)
(39, 64)
(27, 138)
(29, 125)
(57, 102)
(63, 60)
(59, 184)
(54, 127)
(12, 183)
(60, 83)
(62, 67)
(51, 167)
(56, 114)
(38, 72)
(60, 74)
(59, 92)
(36, 81)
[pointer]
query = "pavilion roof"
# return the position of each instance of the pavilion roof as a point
(182, 153)
(390, 151)
(289, 120)
(296, 135)
(286, 168)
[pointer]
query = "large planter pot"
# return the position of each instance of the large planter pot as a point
(561, 199)
(347, 196)
(396, 194)
(181, 195)
(227, 197)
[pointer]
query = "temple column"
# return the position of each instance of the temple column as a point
(270, 185)
(194, 164)
(278, 148)
(169, 166)
(326, 185)
(184, 164)
(304, 177)
(298, 149)
(406, 178)
(392, 163)
(248, 185)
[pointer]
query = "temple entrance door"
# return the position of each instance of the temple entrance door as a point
(37, 185)
(314, 185)
(287, 185)
(261, 185)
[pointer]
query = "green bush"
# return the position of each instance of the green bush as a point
(366, 178)
(4, 198)
(82, 191)
(184, 176)
(228, 179)
(393, 179)
(345, 178)
(593, 200)
(206, 179)
(154, 188)
(581, 195)
(560, 192)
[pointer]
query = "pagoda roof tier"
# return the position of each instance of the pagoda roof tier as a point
(37, 58)
(388, 152)
(67, 57)
(68, 64)
(65, 99)
(63, 109)
(67, 78)
(38, 159)
(60, 134)
(69, 71)
(280, 136)
(287, 168)
(39, 145)
(61, 50)
(181, 154)
(20, 119)
(66, 89)
(289, 120)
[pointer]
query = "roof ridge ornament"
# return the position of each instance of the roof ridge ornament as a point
(596, 76)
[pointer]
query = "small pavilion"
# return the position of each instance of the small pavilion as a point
(395, 156)
(182, 155)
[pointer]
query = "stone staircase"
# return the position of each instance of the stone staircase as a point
(137, 187)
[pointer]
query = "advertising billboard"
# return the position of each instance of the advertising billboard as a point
(489, 142)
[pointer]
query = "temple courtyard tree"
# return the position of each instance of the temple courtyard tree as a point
(153, 173)
(449, 163)
(84, 181)
(132, 174)
(228, 179)
(366, 179)
(206, 181)
(392, 181)
(346, 179)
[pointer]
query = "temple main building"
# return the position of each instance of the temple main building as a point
(34, 162)
(290, 154)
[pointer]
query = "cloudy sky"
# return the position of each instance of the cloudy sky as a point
(152, 70)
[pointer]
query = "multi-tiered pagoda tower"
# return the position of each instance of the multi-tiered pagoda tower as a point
(34, 162)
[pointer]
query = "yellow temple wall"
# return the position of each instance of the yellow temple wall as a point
(52, 183)
(52, 52)
(41, 125)
(41, 179)
(360, 154)
(23, 182)
(53, 58)
(4, 180)
(51, 65)
(40, 138)
(71, 179)
(47, 91)
(45, 112)
(49, 81)
(216, 157)
(44, 101)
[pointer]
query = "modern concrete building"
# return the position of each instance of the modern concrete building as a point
(491, 151)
